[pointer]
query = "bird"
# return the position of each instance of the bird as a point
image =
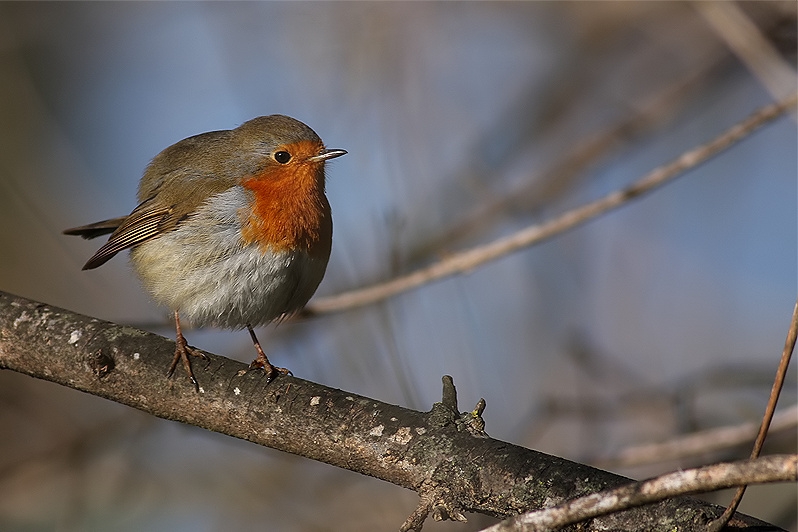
(233, 229)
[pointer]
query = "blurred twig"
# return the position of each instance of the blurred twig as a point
(747, 42)
(608, 392)
(539, 190)
(699, 443)
(467, 260)
(776, 468)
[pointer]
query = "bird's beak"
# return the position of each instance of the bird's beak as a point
(325, 155)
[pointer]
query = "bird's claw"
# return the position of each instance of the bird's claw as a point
(270, 369)
(182, 350)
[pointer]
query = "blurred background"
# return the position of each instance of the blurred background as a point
(464, 122)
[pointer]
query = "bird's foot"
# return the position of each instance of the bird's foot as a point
(262, 362)
(182, 350)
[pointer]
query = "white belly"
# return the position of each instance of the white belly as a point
(204, 271)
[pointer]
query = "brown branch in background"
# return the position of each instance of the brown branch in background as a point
(778, 384)
(442, 454)
(540, 190)
(699, 443)
(776, 468)
(467, 260)
(743, 37)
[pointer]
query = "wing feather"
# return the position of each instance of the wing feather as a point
(145, 222)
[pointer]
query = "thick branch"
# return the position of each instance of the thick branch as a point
(442, 454)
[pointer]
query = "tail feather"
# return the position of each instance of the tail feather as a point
(96, 229)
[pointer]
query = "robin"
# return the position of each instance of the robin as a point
(233, 228)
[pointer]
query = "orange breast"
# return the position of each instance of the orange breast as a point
(290, 210)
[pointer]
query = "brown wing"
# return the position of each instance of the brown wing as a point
(175, 184)
(146, 221)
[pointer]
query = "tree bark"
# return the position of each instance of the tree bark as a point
(442, 454)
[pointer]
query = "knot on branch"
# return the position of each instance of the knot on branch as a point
(452, 480)
(435, 498)
(101, 364)
(472, 422)
(447, 412)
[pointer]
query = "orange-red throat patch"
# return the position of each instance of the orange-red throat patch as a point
(289, 209)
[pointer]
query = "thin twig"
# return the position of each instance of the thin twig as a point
(776, 468)
(536, 191)
(778, 384)
(467, 260)
(699, 443)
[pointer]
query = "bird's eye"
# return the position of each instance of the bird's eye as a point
(282, 157)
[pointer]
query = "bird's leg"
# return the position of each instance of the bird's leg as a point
(262, 362)
(182, 350)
